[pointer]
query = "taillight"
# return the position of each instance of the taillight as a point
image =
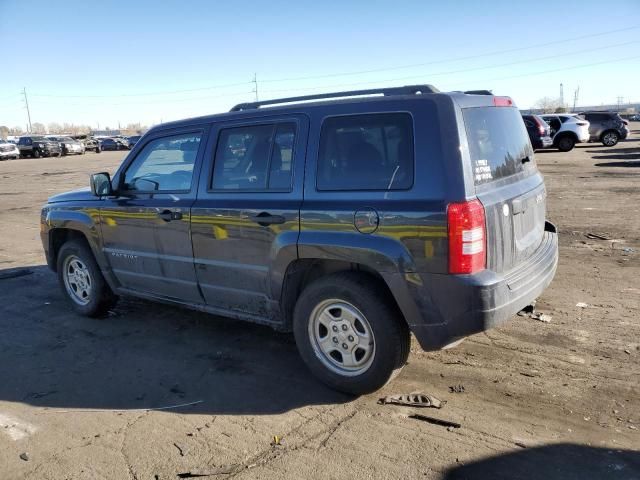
(541, 129)
(502, 102)
(467, 237)
(582, 124)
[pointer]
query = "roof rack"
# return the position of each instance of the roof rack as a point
(478, 92)
(407, 90)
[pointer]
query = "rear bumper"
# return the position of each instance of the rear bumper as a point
(442, 309)
(542, 142)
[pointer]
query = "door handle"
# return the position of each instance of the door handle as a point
(168, 215)
(265, 219)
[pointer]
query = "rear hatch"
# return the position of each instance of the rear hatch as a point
(507, 183)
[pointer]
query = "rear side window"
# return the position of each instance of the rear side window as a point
(366, 152)
(255, 157)
(498, 141)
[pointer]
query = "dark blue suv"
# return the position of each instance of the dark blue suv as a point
(351, 219)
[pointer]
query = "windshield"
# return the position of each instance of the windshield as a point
(498, 142)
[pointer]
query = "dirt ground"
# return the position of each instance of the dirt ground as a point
(557, 400)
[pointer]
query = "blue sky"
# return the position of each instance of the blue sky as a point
(146, 61)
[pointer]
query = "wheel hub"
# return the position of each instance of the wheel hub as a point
(342, 337)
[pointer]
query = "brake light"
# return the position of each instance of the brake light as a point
(541, 129)
(502, 102)
(467, 237)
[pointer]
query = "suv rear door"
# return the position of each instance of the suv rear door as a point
(246, 219)
(508, 184)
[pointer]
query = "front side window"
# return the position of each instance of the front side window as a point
(366, 152)
(164, 164)
(255, 157)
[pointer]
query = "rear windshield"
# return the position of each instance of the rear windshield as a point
(498, 141)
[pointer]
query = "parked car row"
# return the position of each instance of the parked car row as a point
(37, 146)
(564, 130)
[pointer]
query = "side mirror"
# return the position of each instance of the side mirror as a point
(101, 184)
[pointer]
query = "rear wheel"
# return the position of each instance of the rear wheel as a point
(81, 280)
(349, 333)
(35, 153)
(610, 138)
(566, 143)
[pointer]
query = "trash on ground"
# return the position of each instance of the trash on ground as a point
(628, 352)
(420, 400)
(180, 405)
(276, 440)
(208, 473)
(581, 305)
(24, 456)
(20, 272)
(597, 236)
(531, 312)
(179, 449)
(435, 421)
(456, 389)
(541, 317)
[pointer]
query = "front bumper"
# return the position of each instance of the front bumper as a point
(442, 309)
(10, 154)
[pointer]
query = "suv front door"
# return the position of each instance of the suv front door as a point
(146, 224)
(246, 220)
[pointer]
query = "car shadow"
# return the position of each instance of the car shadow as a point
(564, 461)
(142, 355)
(628, 164)
(616, 150)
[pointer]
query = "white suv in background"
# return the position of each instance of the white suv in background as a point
(567, 130)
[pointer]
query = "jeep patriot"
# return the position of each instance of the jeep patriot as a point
(351, 219)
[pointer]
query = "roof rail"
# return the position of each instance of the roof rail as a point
(478, 92)
(407, 90)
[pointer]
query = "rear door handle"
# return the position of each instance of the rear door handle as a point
(265, 219)
(168, 215)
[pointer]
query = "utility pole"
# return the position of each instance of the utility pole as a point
(620, 101)
(575, 97)
(26, 102)
(561, 96)
(255, 82)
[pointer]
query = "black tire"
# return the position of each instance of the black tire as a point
(102, 298)
(35, 153)
(610, 138)
(390, 332)
(566, 143)
(97, 149)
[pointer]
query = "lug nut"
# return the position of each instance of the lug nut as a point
(344, 327)
(344, 345)
(335, 339)
(334, 328)
(350, 338)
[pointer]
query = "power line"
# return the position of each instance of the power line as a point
(449, 60)
(433, 74)
(148, 94)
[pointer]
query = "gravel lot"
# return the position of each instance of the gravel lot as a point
(536, 400)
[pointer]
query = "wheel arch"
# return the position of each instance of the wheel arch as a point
(302, 272)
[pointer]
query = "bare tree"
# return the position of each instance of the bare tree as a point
(38, 128)
(55, 128)
(4, 132)
(16, 131)
(548, 104)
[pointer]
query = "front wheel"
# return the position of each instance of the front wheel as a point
(566, 144)
(35, 153)
(609, 139)
(349, 333)
(81, 280)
